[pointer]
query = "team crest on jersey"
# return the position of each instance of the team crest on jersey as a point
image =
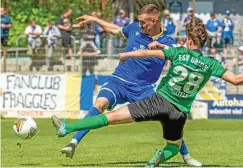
(19, 123)
(137, 33)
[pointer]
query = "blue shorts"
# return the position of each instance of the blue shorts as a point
(119, 91)
(227, 42)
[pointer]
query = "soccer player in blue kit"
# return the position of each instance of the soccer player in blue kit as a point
(131, 81)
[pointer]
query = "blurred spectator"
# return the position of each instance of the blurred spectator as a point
(103, 40)
(227, 33)
(181, 42)
(214, 32)
(33, 31)
(93, 25)
(52, 32)
(88, 51)
(6, 24)
(239, 62)
(98, 32)
(218, 57)
(120, 20)
(190, 15)
(170, 25)
(65, 26)
(219, 83)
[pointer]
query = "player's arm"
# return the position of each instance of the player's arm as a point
(141, 54)
(108, 27)
(176, 27)
(232, 78)
(6, 26)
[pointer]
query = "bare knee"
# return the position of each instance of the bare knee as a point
(101, 104)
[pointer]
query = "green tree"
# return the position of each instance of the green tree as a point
(21, 12)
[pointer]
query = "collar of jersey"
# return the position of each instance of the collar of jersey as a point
(197, 51)
(158, 35)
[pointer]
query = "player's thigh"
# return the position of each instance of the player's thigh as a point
(149, 109)
(112, 90)
(119, 116)
(173, 126)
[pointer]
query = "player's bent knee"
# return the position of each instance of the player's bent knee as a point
(101, 104)
(177, 142)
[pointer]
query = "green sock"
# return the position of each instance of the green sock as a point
(169, 152)
(88, 123)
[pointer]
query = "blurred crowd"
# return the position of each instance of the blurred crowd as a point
(220, 35)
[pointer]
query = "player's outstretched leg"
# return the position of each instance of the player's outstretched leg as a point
(98, 108)
(89, 123)
(187, 158)
(121, 115)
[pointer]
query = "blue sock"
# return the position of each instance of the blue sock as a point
(80, 134)
(183, 149)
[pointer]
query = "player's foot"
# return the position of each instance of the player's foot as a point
(156, 159)
(60, 126)
(69, 150)
(192, 162)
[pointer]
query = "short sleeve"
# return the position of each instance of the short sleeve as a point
(170, 53)
(38, 29)
(126, 30)
(217, 69)
(170, 42)
(27, 30)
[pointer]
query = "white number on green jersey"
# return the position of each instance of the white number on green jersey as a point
(194, 78)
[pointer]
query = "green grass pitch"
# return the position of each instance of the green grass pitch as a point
(213, 142)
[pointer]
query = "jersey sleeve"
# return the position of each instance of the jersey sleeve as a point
(27, 30)
(217, 69)
(126, 30)
(170, 53)
(170, 42)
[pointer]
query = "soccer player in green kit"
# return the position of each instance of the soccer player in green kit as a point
(189, 72)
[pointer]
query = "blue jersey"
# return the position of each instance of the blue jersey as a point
(5, 20)
(213, 25)
(143, 70)
(169, 25)
(227, 28)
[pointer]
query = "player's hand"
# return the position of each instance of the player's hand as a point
(122, 58)
(84, 21)
(155, 45)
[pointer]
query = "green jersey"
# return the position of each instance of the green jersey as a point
(189, 72)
